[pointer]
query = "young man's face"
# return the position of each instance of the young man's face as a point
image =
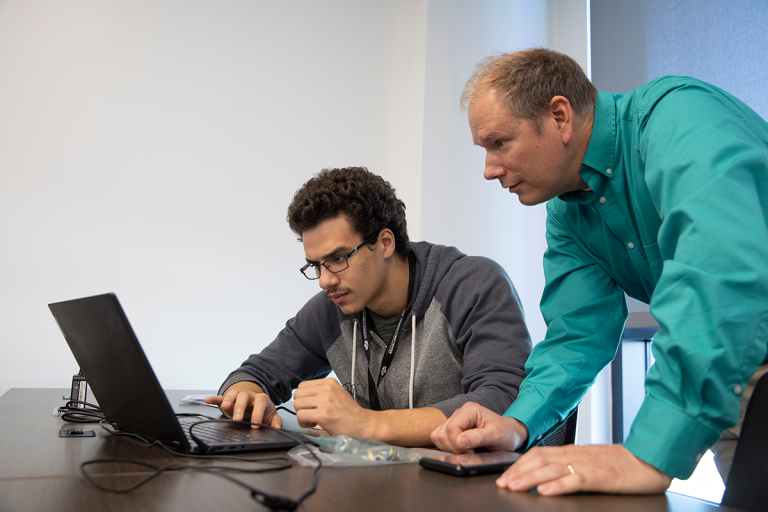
(533, 166)
(363, 281)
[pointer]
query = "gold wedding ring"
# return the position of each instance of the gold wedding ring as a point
(571, 469)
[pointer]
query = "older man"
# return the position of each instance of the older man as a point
(660, 193)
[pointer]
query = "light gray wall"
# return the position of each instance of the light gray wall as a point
(723, 43)
(618, 44)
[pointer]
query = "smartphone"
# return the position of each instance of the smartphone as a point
(471, 464)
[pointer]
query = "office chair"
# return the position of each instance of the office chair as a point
(566, 434)
(747, 486)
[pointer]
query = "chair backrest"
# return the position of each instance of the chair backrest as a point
(747, 486)
(566, 434)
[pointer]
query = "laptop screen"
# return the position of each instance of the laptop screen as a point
(116, 368)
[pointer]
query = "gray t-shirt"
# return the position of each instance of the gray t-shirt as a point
(385, 327)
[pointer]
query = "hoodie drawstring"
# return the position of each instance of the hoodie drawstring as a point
(413, 359)
(354, 359)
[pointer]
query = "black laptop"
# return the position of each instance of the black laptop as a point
(130, 396)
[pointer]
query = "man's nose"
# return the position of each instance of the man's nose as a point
(327, 278)
(493, 169)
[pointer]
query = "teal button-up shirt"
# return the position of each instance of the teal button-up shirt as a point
(676, 217)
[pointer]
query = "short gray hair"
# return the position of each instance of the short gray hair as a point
(528, 80)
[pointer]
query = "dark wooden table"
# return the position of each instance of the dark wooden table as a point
(40, 471)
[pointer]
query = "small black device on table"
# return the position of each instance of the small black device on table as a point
(471, 464)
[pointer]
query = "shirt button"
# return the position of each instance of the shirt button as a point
(603, 200)
(631, 245)
(737, 389)
(608, 171)
(538, 438)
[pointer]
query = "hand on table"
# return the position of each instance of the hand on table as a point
(593, 468)
(324, 402)
(473, 426)
(246, 401)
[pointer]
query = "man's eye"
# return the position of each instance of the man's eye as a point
(498, 143)
(337, 259)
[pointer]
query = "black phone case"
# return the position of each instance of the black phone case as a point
(459, 470)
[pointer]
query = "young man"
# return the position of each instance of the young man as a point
(412, 330)
(659, 193)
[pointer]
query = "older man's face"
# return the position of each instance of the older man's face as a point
(533, 166)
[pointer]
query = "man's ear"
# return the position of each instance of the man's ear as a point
(561, 112)
(387, 241)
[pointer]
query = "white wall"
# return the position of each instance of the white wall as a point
(459, 207)
(151, 149)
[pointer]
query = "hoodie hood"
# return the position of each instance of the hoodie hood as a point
(433, 262)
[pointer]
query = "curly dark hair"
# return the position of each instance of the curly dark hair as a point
(367, 200)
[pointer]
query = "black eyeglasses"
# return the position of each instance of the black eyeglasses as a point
(334, 264)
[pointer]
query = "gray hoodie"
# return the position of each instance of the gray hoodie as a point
(470, 342)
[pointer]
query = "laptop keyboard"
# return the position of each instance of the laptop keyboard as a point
(210, 433)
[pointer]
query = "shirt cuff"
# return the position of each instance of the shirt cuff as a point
(668, 439)
(537, 415)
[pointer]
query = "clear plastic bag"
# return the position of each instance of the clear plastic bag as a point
(350, 451)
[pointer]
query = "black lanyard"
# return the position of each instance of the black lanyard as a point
(389, 354)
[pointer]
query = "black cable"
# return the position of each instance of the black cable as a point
(271, 501)
(89, 413)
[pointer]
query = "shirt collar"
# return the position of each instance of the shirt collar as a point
(600, 152)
